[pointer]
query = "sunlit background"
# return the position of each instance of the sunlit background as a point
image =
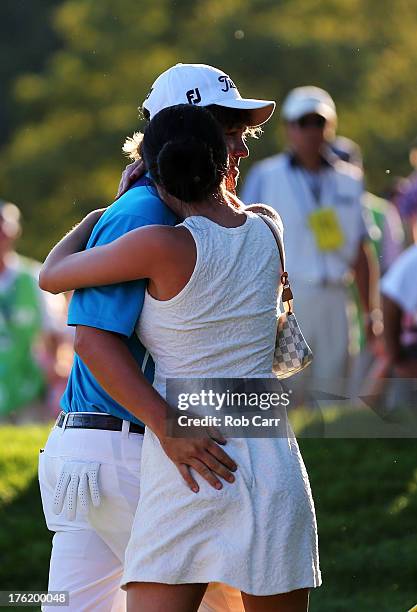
(73, 73)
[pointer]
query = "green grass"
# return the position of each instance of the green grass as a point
(24, 538)
(365, 492)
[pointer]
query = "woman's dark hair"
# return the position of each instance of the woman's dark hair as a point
(229, 118)
(185, 152)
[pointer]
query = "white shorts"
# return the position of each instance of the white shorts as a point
(87, 556)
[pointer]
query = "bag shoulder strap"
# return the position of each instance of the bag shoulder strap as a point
(277, 237)
(270, 217)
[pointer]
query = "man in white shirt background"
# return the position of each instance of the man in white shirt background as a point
(319, 199)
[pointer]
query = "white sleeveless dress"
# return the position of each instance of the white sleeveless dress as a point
(258, 534)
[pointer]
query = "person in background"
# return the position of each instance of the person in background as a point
(399, 299)
(386, 232)
(345, 148)
(407, 194)
(32, 326)
(399, 290)
(319, 199)
(385, 229)
(398, 358)
(381, 216)
(413, 159)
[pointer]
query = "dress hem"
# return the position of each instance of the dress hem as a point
(308, 584)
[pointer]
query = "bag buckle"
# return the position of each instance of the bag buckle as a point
(287, 295)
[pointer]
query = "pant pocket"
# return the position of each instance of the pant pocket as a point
(50, 469)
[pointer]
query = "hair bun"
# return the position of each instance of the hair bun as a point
(186, 169)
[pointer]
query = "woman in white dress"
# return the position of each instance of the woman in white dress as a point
(210, 312)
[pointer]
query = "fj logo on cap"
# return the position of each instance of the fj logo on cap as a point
(193, 96)
(227, 82)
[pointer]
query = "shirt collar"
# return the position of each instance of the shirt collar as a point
(327, 157)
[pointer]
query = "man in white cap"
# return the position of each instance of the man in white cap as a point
(319, 199)
(94, 450)
(216, 91)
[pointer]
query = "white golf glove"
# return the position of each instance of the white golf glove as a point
(77, 483)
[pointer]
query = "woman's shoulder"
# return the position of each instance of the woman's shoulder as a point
(169, 237)
(153, 236)
(268, 211)
(163, 243)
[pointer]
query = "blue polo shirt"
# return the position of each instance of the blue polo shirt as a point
(114, 308)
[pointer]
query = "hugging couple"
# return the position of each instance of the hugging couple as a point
(176, 279)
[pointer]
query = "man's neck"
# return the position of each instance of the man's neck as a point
(311, 162)
(2, 264)
(5, 259)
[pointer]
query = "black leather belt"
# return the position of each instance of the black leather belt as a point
(96, 421)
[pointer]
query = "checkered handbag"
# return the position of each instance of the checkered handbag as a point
(292, 353)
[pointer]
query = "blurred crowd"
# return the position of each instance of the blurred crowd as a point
(351, 256)
(35, 342)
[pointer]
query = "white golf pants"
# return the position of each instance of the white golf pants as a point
(89, 482)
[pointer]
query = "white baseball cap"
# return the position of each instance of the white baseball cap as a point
(204, 85)
(306, 100)
(9, 219)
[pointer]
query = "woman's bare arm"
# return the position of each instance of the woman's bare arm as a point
(135, 255)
